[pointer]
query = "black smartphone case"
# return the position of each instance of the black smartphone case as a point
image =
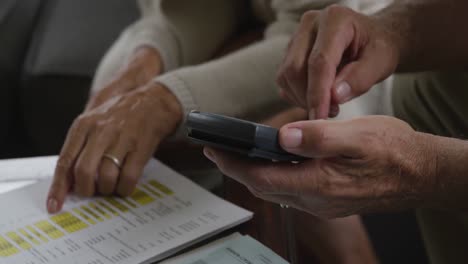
(240, 136)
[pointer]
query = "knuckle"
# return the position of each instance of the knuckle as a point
(295, 67)
(65, 161)
(131, 143)
(130, 176)
(82, 172)
(336, 11)
(81, 124)
(318, 62)
(308, 17)
(103, 126)
(81, 120)
(107, 176)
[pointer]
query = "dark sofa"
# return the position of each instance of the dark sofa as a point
(49, 50)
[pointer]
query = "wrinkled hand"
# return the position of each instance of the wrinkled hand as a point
(335, 56)
(129, 127)
(361, 165)
(144, 65)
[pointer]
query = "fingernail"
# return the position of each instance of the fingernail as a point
(209, 154)
(292, 138)
(52, 205)
(343, 92)
(312, 114)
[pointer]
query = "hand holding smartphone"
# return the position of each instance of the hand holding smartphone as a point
(236, 135)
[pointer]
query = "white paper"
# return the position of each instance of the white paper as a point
(201, 251)
(10, 186)
(243, 250)
(27, 169)
(155, 223)
(234, 249)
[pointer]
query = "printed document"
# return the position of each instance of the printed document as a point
(166, 213)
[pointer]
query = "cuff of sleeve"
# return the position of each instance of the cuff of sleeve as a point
(180, 89)
(159, 37)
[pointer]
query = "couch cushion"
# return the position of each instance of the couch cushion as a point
(70, 39)
(72, 36)
(16, 22)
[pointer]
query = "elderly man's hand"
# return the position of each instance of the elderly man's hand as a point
(127, 127)
(335, 55)
(362, 165)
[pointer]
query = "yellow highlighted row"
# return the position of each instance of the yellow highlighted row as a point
(103, 204)
(19, 240)
(28, 236)
(36, 233)
(46, 227)
(163, 188)
(129, 203)
(69, 222)
(84, 216)
(148, 188)
(99, 210)
(6, 248)
(141, 197)
(92, 213)
(116, 204)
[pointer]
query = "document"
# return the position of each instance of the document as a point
(234, 249)
(165, 214)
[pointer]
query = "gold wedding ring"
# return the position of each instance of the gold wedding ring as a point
(114, 160)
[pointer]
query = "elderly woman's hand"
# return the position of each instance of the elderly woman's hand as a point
(126, 128)
(143, 65)
(357, 166)
(336, 55)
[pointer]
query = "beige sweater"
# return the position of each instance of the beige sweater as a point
(188, 33)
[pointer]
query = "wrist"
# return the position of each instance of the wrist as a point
(449, 174)
(425, 163)
(166, 102)
(394, 26)
(145, 64)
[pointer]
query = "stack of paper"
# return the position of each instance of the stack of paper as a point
(166, 213)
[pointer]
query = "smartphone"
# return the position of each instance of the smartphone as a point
(236, 135)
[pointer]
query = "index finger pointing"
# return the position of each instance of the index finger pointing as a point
(333, 38)
(63, 178)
